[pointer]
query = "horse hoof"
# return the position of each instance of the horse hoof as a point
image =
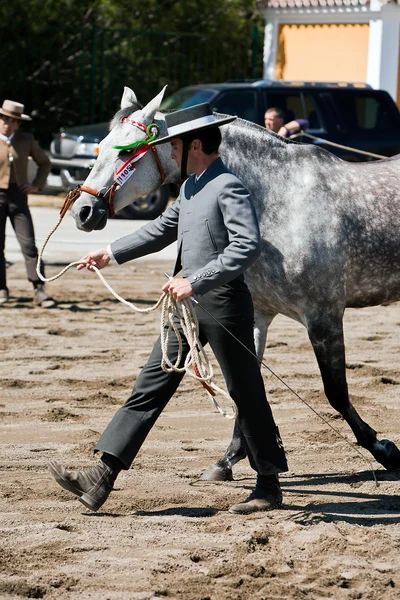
(217, 473)
(387, 453)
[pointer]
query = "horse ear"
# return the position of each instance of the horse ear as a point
(153, 106)
(128, 98)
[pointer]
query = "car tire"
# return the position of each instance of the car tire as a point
(149, 207)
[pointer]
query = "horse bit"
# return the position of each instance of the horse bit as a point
(139, 150)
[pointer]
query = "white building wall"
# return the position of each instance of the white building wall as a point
(383, 49)
(384, 36)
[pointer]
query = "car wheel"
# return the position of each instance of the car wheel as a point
(148, 207)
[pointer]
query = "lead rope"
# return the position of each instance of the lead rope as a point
(318, 139)
(202, 369)
(197, 364)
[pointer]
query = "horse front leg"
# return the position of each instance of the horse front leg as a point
(222, 469)
(326, 336)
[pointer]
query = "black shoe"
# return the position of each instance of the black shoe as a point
(265, 498)
(92, 486)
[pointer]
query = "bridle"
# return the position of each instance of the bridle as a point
(139, 148)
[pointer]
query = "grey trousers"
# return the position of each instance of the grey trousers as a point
(232, 305)
(14, 204)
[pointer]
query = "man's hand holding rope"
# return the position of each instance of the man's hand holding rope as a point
(98, 258)
(178, 288)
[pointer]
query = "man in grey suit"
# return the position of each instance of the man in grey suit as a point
(218, 239)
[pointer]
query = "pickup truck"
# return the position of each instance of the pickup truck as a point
(353, 115)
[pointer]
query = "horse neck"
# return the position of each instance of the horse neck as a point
(248, 151)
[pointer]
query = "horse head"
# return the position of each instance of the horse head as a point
(126, 168)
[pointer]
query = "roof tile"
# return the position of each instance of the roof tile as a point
(263, 4)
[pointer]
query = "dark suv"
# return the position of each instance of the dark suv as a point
(353, 115)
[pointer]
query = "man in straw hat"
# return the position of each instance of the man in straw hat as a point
(15, 149)
(218, 239)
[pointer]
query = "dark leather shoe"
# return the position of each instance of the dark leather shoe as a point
(92, 486)
(266, 498)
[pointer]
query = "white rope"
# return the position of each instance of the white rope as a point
(312, 137)
(197, 364)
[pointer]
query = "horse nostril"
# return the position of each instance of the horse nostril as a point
(84, 213)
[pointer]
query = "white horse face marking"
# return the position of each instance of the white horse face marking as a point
(91, 212)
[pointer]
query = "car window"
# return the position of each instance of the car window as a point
(311, 111)
(295, 105)
(363, 112)
(187, 97)
(290, 103)
(242, 103)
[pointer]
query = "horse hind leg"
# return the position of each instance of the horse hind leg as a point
(222, 469)
(326, 336)
(236, 451)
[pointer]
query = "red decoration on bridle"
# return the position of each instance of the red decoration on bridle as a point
(108, 195)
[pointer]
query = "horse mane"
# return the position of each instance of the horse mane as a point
(123, 113)
(260, 133)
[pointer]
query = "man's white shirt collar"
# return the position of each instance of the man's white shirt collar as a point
(7, 139)
(198, 176)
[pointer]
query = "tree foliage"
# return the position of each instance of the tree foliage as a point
(68, 60)
(226, 18)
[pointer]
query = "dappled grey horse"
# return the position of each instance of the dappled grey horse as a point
(330, 239)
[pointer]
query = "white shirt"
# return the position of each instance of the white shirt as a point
(6, 139)
(197, 177)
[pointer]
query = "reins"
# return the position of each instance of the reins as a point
(196, 364)
(139, 149)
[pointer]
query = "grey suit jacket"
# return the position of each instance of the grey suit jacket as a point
(215, 225)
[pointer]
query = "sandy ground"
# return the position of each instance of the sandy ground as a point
(39, 199)
(163, 533)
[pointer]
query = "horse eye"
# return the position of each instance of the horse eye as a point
(124, 154)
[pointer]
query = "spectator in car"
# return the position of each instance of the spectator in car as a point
(15, 149)
(274, 119)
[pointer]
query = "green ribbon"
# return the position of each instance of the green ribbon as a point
(152, 132)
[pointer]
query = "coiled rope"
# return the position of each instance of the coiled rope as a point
(196, 364)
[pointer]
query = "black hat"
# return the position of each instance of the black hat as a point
(189, 120)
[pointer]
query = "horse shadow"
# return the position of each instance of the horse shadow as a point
(189, 512)
(360, 508)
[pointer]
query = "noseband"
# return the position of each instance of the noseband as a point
(139, 150)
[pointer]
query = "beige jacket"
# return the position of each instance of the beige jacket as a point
(22, 146)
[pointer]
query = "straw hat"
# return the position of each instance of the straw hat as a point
(188, 120)
(14, 110)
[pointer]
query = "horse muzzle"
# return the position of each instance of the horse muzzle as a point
(90, 213)
(91, 208)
